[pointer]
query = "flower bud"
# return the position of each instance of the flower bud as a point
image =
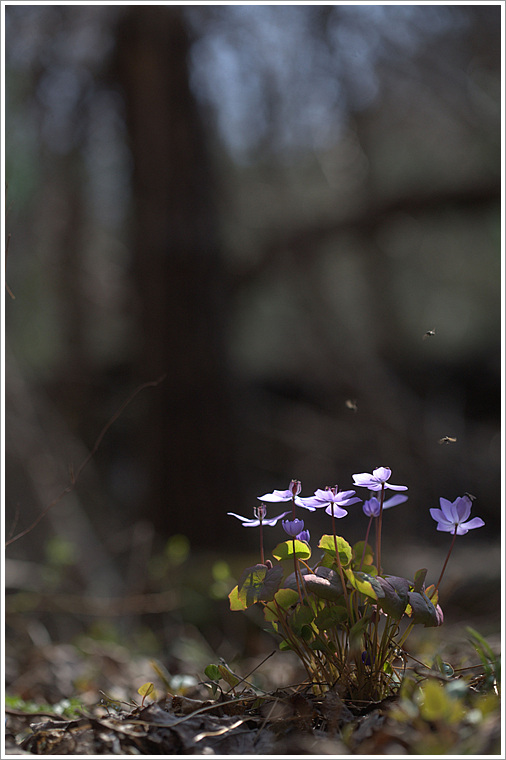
(295, 487)
(293, 527)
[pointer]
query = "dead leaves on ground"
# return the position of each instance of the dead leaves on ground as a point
(279, 723)
(285, 722)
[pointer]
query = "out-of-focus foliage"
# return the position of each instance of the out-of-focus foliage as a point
(344, 200)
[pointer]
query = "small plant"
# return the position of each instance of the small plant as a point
(342, 616)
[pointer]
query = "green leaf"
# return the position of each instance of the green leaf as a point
(421, 609)
(324, 583)
(369, 569)
(257, 584)
(145, 690)
(343, 547)
(228, 676)
(419, 579)
(319, 645)
(286, 550)
(365, 584)
(395, 591)
(436, 705)
(361, 549)
(331, 617)
(283, 600)
(300, 617)
(236, 602)
(480, 643)
(359, 627)
(213, 672)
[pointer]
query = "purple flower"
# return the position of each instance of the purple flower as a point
(291, 493)
(377, 480)
(332, 500)
(371, 507)
(452, 516)
(259, 512)
(304, 536)
(293, 527)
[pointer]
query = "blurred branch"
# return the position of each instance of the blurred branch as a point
(77, 604)
(74, 477)
(9, 291)
(367, 219)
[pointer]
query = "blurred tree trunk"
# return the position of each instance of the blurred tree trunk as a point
(186, 439)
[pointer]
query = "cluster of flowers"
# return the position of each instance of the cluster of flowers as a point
(451, 518)
(342, 616)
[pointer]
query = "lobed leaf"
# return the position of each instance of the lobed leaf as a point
(366, 584)
(286, 550)
(283, 600)
(323, 583)
(259, 584)
(421, 609)
(363, 550)
(343, 547)
(331, 617)
(395, 597)
(419, 579)
(300, 618)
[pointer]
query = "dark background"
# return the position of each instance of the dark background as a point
(267, 207)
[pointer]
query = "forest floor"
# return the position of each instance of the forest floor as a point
(77, 681)
(432, 713)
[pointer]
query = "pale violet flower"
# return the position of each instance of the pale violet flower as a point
(371, 507)
(332, 500)
(377, 480)
(259, 513)
(291, 494)
(452, 516)
(304, 536)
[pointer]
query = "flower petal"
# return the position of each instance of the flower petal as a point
(277, 496)
(446, 527)
(382, 473)
(371, 507)
(364, 478)
(338, 498)
(273, 520)
(446, 507)
(336, 511)
(246, 521)
(476, 522)
(393, 501)
(463, 507)
(439, 516)
(347, 502)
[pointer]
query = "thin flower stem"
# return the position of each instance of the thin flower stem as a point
(296, 571)
(289, 635)
(339, 566)
(405, 635)
(262, 557)
(365, 542)
(446, 562)
(295, 564)
(378, 529)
